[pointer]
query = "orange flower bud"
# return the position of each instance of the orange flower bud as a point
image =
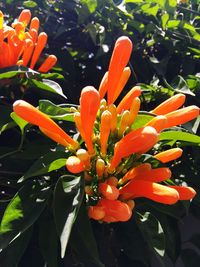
(181, 116)
(105, 126)
(35, 24)
(31, 114)
(28, 50)
(133, 142)
(157, 192)
(41, 42)
(113, 110)
(25, 16)
(83, 155)
(135, 107)
(74, 164)
(96, 212)
(122, 82)
(100, 167)
(169, 155)
(77, 120)
(120, 57)
(185, 192)
(171, 104)
(103, 85)
(55, 137)
(158, 123)
(48, 63)
(124, 123)
(127, 101)
(89, 105)
(108, 191)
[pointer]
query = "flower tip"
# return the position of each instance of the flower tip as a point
(74, 164)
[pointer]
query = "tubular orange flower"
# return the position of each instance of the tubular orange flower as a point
(106, 120)
(35, 24)
(185, 192)
(55, 137)
(181, 116)
(83, 155)
(135, 106)
(133, 142)
(100, 167)
(126, 102)
(112, 109)
(103, 85)
(89, 105)
(158, 123)
(41, 43)
(25, 16)
(34, 116)
(124, 123)
(154, 175)
(119, 60)
(169, 155)
(48, 63)
(171, 104)
(96, 212)
(154, 191)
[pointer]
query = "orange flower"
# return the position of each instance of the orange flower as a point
(158, 123)
(89, 105)
(171, 104)
(169, 155)
(154, 191)
(133, 142)
(181, 116)
(18, 46)
(32, 115)
(185, 192)
(74, 164)
(119, 60)
(105, 127)
(108, 191)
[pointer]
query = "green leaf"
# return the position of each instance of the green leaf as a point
(47, 85)
(19, 121)
(152, 232)
(5, 120)
(181, 86)
(68, 196)
(83, 241)
(48, 239)
(180, 136)
(29, 4)
(54, 111)
(50, 162)
(164, 19)
(22, 211)
(10, 72)
(142, 119)
(10, 256)
(91, 4)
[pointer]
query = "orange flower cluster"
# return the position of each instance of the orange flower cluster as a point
(22, 46)
(111, 160)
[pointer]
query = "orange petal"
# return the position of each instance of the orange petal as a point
(55, 137)
(89, 105)
(185, 192)
(74, 164)
(34, 116)
(171, 104)
(154, 175)
(96, 212)
(120, 57)
(169, 155)
(122, 82)
(181, 116)
(157, 192)
(126, 102)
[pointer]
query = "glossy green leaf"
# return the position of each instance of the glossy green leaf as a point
(54, 111)
(83, 241)
(5, 119)
(10, 72)
(50, 162)
(180, 136)
(68, 196)
(22, 211)
(19, 121)
(47, 85)
(11, 256)
(142, 119)
(152, 232)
